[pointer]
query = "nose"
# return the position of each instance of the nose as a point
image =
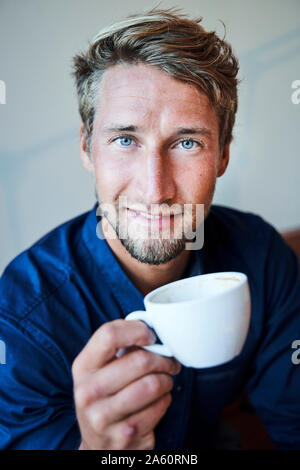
(156, 178)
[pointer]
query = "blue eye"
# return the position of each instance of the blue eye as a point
(125, 141)
(187, 143)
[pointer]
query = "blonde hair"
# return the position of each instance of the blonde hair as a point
(175, 44)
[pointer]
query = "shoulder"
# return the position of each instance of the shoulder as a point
(261, 249)
(40, 270)
(244, 230)
(234, 220)
(246, 241)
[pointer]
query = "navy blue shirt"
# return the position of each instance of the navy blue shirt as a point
(54, 296)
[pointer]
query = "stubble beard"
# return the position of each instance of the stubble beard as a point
(153, 251)
(158, 250)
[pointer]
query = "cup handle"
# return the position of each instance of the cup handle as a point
(156, 348)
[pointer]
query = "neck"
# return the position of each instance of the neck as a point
(147, 277)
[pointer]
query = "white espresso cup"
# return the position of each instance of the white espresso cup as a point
(202, 321)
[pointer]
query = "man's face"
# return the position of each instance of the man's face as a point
(155, 146)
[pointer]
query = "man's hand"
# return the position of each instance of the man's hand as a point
(119, 401)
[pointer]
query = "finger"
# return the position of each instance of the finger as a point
(122, 351)
(129, 433)
(119, 373)
(130, 400)
(106, 341)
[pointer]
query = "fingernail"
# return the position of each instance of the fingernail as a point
(152, 336)
(121, 352)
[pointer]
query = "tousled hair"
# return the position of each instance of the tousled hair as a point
(175, 44)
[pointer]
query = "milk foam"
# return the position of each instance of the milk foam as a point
(192, 289)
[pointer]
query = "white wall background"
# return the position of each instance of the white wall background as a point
(42, 183)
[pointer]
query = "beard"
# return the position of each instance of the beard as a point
(148, 246)
(149, 251)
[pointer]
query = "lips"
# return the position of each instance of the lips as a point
(155, 221)
(150, 216)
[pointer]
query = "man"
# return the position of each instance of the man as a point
(157, 97)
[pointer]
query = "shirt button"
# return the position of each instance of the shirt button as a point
(179, 388)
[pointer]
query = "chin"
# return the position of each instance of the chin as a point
(154, 252)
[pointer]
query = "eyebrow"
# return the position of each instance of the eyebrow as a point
(180, 131)
(194, 130)
(117, 128)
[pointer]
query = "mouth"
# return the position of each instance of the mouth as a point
(154, 220)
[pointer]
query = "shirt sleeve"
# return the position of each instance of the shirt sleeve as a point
(36, 402)
(274, 385)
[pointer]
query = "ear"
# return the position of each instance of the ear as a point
(224, 160)
(85, 158)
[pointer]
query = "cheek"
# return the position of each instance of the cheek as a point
(112, 174)
(198, 180)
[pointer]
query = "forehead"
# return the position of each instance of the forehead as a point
(146, 92)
